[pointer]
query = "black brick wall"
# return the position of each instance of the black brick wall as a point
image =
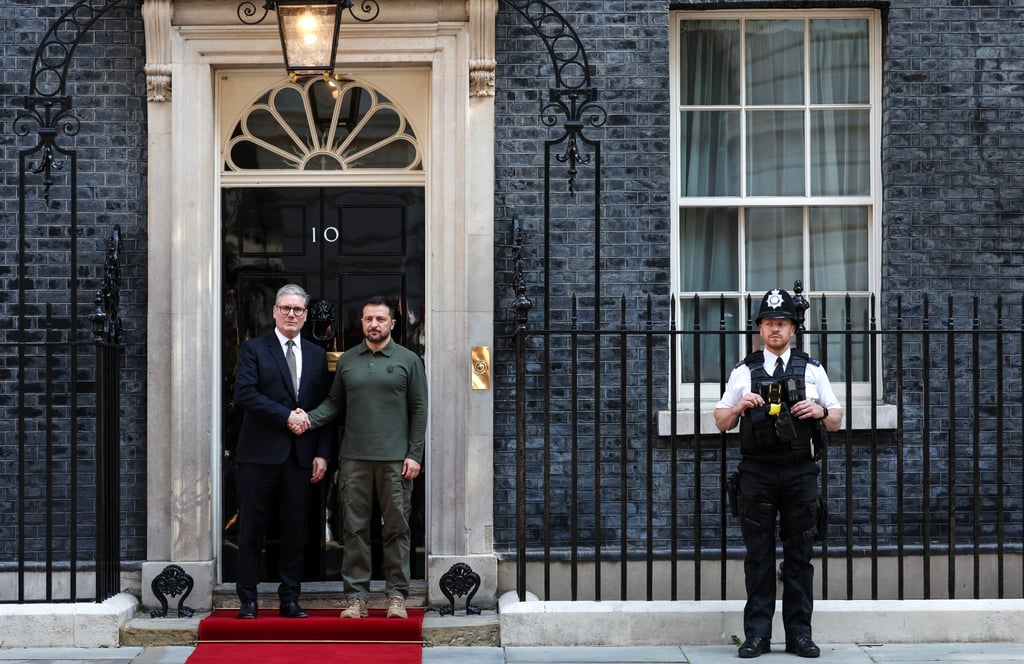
(952, 164)
(108, 91)
(626, 43)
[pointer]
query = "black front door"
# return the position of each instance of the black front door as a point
(342, 245)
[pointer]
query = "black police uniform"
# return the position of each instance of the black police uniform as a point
(778, 475)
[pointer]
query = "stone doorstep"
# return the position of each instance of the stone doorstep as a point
(438, 630)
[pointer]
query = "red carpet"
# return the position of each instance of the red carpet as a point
(223, 639)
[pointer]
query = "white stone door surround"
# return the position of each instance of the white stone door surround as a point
(190, 43)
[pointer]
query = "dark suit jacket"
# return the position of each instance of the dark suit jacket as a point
(263, 389)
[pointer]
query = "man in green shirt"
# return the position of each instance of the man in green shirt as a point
(380, 394)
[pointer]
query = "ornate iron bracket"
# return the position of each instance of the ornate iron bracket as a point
(368, 10)
(460, 579)
(47, 104)
(172, 581)
(572, 96)
(49, 115)
(568, 57)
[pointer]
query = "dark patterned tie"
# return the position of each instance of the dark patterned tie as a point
(292, 367)
(779, 368)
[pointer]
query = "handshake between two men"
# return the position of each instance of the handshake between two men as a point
(298, 422)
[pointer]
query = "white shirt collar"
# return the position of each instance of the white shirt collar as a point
(283, 340)
(770, 357)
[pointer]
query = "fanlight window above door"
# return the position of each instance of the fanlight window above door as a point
(319, 126)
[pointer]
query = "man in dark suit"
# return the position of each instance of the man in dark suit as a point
(278, 372)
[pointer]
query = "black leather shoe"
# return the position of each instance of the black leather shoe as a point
(247, 610)
(803, 646)
(755, 646)
(292, 610)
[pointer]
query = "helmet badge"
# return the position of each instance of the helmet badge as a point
(774, 299)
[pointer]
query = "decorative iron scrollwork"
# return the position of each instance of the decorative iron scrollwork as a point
(367, 11)
(47, 104)
(172, 581)
(568, 56)
(460, 579)
(572, 97)
(50, 116)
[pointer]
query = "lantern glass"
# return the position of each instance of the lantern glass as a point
(309, 36)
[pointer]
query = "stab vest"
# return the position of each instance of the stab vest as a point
(759, 428)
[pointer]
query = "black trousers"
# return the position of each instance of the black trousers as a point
(787, 492)
(284, 488)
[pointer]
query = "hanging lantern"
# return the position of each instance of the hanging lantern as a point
(309, 36)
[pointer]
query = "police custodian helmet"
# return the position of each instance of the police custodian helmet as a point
(777, 303)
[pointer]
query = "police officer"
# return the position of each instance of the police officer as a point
(780, 397)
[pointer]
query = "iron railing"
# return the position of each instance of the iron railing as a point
(620, 480)
(61, 487)
(60, 480)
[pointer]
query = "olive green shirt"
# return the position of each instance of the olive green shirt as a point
(381, 398)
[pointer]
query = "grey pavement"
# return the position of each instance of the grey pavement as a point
(842, 653)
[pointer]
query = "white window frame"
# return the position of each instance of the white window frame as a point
(710, 391)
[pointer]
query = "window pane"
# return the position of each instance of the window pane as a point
(709, 56)
(714, 312)
(839, 61)
(708, 258)
(775, 153)
(774, 239)
(710, 153)
(775, 59)
(840, 159)
(839, 249)
(830, 347)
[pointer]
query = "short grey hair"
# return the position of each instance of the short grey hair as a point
(292, 289)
